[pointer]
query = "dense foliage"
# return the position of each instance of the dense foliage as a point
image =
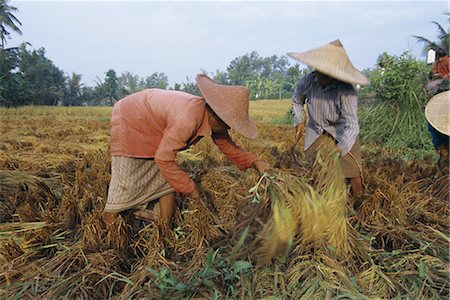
(29, 77)
(396, 119)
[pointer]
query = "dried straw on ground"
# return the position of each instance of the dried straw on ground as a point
(55, 177)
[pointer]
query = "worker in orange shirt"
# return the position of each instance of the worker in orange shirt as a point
(441, 67)
(148, 128)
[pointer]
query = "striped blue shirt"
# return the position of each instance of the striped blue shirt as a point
(331, 109)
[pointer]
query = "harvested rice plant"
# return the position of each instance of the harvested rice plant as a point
(289, 234)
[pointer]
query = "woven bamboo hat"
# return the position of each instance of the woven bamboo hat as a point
(230, 103)
(437, 112)
(332, 60)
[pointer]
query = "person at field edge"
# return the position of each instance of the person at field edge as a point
(148, 128)
(441, 68)
(437, 112)
(331, 102)
(439, 83)
(439, 74)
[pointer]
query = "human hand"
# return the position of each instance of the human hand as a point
(299, 130)
(261, 166)
(195, 194)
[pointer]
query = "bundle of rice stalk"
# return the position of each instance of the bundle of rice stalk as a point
(17, 187)
(93, 233)
(319, 276)
(117, 236)
(331, 188)
(318, 214)
(279, 233)
(197, 224)
(375, 282)
(309, 210)
(19, 242)
(28, 212)
(33, 277)
(294, 208)
(226, 187)
(9, 250)
(97, 279)
(14, 182)
(69, 213)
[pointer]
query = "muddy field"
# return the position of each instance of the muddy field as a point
(54, 175)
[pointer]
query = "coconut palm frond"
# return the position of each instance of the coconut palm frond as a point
(442, 42)
(428, 44)
(443, 36)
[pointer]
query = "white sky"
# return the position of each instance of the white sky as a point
(180, 37)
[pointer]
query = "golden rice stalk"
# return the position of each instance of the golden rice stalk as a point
(318, 276)
(294, 209)
(28, 212)
(308, 210)
(279, 234)
(318, 214)
(69, 213)
(376, 283)
(284, 223)
(93, 234)
(117, 235)
(6, 230)
(330, 186)
(9, 250)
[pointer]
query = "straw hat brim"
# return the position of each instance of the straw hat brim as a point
(332, 60)
(437, 112)
(230, 103)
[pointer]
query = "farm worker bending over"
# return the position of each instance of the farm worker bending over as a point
(331, 103)
(437, 112)
(148, 128)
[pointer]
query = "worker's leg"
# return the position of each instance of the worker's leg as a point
(356, 186)
(356, 189)
(109, 218)
(163, 210)
(443, 157)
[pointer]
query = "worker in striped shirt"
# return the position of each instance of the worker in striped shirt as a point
(331, 103)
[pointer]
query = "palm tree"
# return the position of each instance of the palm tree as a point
(443, 39)
(7, 21)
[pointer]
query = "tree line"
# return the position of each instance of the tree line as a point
(29, 77)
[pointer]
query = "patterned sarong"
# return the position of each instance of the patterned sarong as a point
(134, 182)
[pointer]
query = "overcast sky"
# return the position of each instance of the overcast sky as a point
(180, 38)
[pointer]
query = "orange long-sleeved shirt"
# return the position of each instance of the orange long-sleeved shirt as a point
(159, 123)
(442, 67)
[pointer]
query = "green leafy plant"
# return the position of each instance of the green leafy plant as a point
(165, 282)
(398, 120)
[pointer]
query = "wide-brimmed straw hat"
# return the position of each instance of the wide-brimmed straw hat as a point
(437, 112)
(230, 103)
(332, 60)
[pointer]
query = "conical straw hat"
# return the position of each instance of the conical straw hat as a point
(437, 112)
(332, 60)
(230, 103)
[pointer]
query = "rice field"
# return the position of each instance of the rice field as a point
(289, 234)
